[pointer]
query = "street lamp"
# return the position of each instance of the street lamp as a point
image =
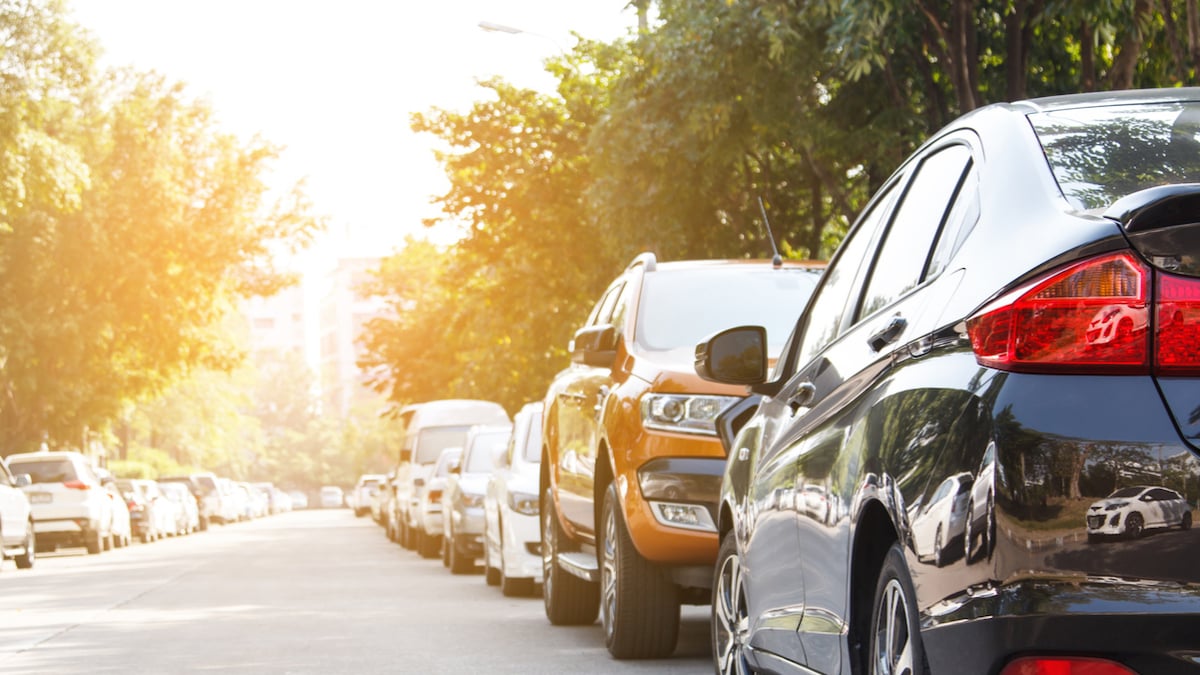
(492, 27)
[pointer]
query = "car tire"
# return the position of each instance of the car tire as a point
(970, 533)
(109, 544)
(94, 542)
(27, 557)
(427, 544)
(1186, 522)
(730, 617)
(459, 563)
(491, 575)
(895, 637)
(409, 537)
(1134, 524)
(446, 550)
(639, 604)
(569, 600)
(939, 550)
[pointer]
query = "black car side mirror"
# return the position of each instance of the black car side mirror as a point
(734, 356)
(595, 346)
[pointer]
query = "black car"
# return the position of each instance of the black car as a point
(1018, 307)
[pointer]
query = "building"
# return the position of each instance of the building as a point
(345, 310)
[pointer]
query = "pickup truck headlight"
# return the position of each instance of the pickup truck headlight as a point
(689, 414)
(523, 503)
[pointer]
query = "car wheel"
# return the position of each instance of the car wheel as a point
(1186, 523)
(459, 563)
(569, 600)
(639, 605)
(730, 619)
(108, 541)
(989, 528)
(491, 575)
(428, 545)
(1134, 525)
(26, 558)
(970, 533)
(938, 553)
(94, 543)
(895, 639)
(446, 549)
(409, 537)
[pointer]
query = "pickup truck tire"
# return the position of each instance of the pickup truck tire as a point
(639, 604)
(569, 600)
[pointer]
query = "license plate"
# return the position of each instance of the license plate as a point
(40, 498)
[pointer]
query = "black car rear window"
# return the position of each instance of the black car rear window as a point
(1103, 153)
(46, 470)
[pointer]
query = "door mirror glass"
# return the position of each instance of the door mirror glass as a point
(734, 356)
(595, 346)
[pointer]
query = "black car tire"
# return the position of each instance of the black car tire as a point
(569, 600)
(94, 541)
(1186, 522)
(25, 559)
(459, 563)
(427, 544)
(639, 604)
(939, 549)
(894, 627)
(730, 617)
(491, 575)
(1134, 525)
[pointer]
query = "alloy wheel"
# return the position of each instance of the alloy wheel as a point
(730, 618)
(892, 647)
(549, 548)
(608, 573)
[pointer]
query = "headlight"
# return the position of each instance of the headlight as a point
(471, 501)
(1114, 507)
(523, 503)
(684, 413)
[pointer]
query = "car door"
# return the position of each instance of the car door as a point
(581, 391)
(848, 414)
(14, 510)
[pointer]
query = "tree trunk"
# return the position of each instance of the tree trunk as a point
(1087, 58)
(1193, 34)
(1125, 63)
(816, 207)
(1178, 56)
(963, 62)
(1014, 63)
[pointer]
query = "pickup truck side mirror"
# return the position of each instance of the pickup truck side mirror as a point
(595, 346)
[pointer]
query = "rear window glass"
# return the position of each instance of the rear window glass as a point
(1101, 154)
(483, 451)
(432, 440)
(46, 470)
(679, 308)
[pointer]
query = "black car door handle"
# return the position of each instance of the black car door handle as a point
(889, 333)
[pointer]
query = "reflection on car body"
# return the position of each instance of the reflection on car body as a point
(1132, 510)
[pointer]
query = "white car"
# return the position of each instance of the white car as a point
(364, 490)
(332, 497)
(17, 539)
(939, 526)
(1132, 510)
(462, 501)
(70, 507)
(429, 503)
(512, 528)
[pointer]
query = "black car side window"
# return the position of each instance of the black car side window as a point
(824, 318)
(906, 249)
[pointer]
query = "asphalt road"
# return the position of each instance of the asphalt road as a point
(304, 592)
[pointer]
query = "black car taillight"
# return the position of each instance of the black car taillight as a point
(1060, 665)
(1094, 316)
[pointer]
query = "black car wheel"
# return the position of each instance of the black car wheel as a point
(730, 620)
(938, 551)
(895, 640)
(1186, 523)
(1134, 525)
(569, 600)
(459, 563)
(639, 605)
(491, 575)
(94, 541)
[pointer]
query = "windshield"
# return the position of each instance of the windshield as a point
(533, 442)
(1101, 154)
(483, 451)
(1126, 492)
(46, 470)
(432, 441)
(679, 308)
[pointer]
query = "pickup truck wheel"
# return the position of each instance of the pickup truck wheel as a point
(639, 604)
(569, 600)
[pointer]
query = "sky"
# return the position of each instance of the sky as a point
(334, 84)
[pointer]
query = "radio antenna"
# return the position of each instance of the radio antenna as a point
(776, 261)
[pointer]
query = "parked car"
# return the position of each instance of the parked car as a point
(70, 508)
(462, 501)
(954, 320)
(939, 527)
(205, 489)
(332, 497)
(512, 534)
(380, 497)
(429, 428)
(120, 524)
(1130, 511)
(187, 510)
(429, 504)
(151, 513)
(299, 499)
(627, 424)
(17, 538)
(235, 501)
(363, 492)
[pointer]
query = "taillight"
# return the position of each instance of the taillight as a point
(435, 496)
(1090, 317)
(1177, 339)
(76, 485)
(1040, 665)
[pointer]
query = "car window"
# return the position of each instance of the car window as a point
(823, 322)
(432, 440)
(533, 442)
(959, 223)
(5, 478)
(48, 470)
(483, 451)
(1161, 494)
(603, 312)
(904, 255)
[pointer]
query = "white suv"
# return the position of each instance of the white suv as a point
(16, 520)
(70, 507)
